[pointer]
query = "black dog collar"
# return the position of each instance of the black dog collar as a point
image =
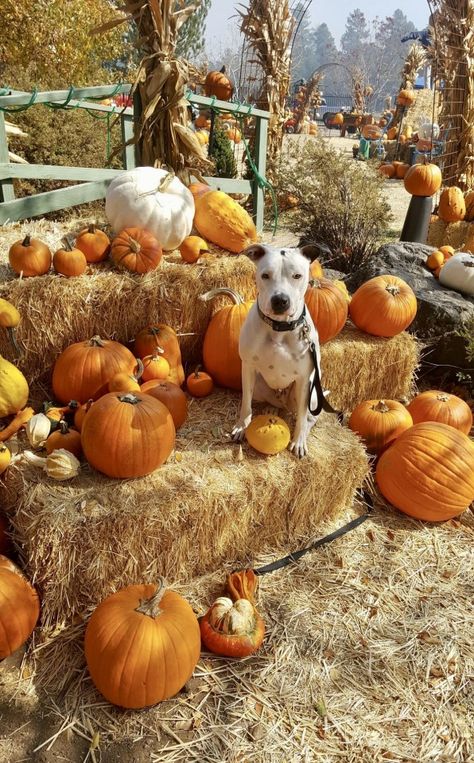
(282, 325)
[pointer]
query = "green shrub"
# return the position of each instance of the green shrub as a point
(222, 153)
(340, 202)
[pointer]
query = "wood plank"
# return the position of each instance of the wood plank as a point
(7, 192)
(229, 185)
(202, 100)
(19, 99)
(261, 132)
(51, 201)
(100, 107)
(55, 172)
(126, 123)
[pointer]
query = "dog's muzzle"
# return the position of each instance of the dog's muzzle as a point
(280, 303)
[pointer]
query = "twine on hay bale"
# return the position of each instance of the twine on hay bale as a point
(210, 504)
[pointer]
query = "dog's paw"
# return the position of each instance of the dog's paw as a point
(237, 434)
(299, 446)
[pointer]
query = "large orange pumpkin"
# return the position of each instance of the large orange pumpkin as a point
(383, 306)
(31, 257)
(127, 435)
(142, 645)
(217, 83)
(379, 422)
(153, 339)
(452, 206)
(136, 250)
(170, 395)
(220, 350)
(423, 179)
(327, 307)
(84, 369)
(434, 405)
(428, 472)
(19, 608)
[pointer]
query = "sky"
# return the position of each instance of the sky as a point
(219, 22)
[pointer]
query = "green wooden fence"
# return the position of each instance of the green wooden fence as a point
(93, 182)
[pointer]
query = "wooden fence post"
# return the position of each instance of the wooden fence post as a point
(261, 130)
(7, 192)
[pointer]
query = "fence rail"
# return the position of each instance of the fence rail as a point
(93, 182)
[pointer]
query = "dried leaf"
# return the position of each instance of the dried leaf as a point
(320, 708)
(436, 672)
(257, 731)
(428, 638)
(95, 741)
(370, 535)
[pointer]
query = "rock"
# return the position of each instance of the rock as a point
(441, 311)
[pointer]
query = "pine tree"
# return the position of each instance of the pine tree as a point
(221, 152)
(191, 35)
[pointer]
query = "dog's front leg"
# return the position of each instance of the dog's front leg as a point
(249, 377)
(301, 394)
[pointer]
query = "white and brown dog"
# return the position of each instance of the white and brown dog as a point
(279, 344)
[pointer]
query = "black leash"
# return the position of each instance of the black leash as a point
(315, 386)
(296, 555)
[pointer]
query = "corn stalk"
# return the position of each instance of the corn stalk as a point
(161, 131)
(269, 28)
(454, 36)
(311, 100)
(360, 91)
(415, 59)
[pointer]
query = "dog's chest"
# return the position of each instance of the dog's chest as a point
(281, 358)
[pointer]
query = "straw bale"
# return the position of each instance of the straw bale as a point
(437, 232)
(58, 311)
(212, 502)
(368, 657)
(455, 234)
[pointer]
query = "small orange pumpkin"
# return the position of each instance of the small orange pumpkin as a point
(218, 84)
(232, 628)
(164, 340)
(31, 257)
(170, 395)
(69, 261)
(406, 97)
(93, 243)
(80, 413)
(328, 308)
(19, 608)
(435, 405)
(388, 170)
(448, 251)
(401, 169)
(199, 383)
(452, 206)
(136, 250)
(192, 248)
(379, 422)
(69, 439)
(383, 306)
(435, 260)
(155, 367)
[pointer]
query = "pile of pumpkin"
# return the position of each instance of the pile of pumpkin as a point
(135, 616)
(425, 458)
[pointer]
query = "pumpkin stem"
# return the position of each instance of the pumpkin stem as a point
(73, 405)
(443, 397)
(381, 407)
(96, 341)
(63, 427)
(134, 245)
(196, 371)
(151, 606)
(242, 585)
(12, 337)
(67, 244)
(392, 289)
(236, 298)
(140, 368)
(92, 228)
(26, 241)
(129, 398)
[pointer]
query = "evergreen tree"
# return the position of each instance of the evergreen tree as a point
(191, 35)
(303, 55)
(357, 33)
(221, 152)
(326, 52)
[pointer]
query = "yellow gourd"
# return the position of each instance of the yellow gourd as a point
(220, 219)
(268, 434)
(13, 389)
(9, 320)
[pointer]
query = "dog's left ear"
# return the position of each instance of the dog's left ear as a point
(311, 252)
(254, 252)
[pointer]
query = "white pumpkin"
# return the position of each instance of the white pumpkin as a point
(152, 199)
(458, 273)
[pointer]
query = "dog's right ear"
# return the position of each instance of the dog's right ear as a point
(254, 252)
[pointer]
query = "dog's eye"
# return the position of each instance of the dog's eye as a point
(296, 276)
(265, 276)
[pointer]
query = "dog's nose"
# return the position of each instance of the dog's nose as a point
(280, 302)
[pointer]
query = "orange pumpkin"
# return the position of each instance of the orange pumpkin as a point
(234, 135)
(142, 645)
(338, 119)
(192, 248)
(423, 179)
(31, 257)
(80, 413)
(93, 243)
(383, 306)
(153, 339)
(401, 169)
(428, 472)
(69, 261)
(136, 250)
(199, 383)
(127, 435)
(232, 628)
(469, 202)
(69, 439)
(379, 422)
(435, 260)
(203, 122)
(84, 369)
(218, 84)
(434, 405)
(452, 206)
(220, 350)
(447, 251)
(328, 308)
(392, 133)
(155, 367)
(19, 608)
(388, 170)
(123, 382)
(406, 97)
(170, 395)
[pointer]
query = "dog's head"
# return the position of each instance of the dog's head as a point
(282, 278)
